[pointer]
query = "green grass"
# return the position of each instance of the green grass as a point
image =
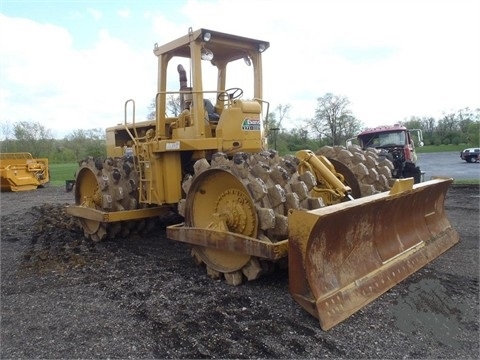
(466, 182)
(61, 172)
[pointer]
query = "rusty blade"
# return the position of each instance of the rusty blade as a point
(344, 256)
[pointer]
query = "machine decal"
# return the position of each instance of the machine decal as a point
(251, 124)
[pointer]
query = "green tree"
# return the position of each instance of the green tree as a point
(33, 137)
(414, 123)
(273, 125)
(473, 137)
(173, 107)
(85, 143)
(466, 120)
(7, 143)
(299, 139)
(428, 126)
(448, 123)
(333, 119)
(151, 110)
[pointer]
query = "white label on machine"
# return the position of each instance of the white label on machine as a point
(173, 145)
(251, 124)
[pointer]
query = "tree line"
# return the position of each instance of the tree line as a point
(35, 138)
(332, 124)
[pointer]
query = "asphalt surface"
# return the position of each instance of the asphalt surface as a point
(447, 164)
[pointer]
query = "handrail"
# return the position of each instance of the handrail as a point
(261, 101)
(133, 118)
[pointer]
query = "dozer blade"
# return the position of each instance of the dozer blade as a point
(344, 256)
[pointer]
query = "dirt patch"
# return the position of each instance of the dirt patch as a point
(63, 296)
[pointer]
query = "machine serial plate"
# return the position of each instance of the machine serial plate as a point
(172, 145)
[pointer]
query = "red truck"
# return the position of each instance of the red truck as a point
(396, 143)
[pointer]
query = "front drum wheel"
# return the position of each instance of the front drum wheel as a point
(218, 200)
(249, 194)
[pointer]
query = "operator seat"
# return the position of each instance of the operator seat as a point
(210, 109)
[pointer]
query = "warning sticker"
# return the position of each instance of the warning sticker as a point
(251, 125)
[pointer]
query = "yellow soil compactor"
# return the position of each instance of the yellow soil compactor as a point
(21, 172)
(346, 229)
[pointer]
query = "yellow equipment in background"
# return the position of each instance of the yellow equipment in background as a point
(245, 208)
(21, 172)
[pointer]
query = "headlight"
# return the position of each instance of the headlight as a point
(207, 36)
(206, 54)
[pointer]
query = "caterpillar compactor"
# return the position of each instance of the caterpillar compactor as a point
(243, 209)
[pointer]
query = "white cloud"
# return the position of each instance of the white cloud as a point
(124, 13)
(44, 79)
(418, 57)
(96, 14)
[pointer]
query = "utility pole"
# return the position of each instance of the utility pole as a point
(275, 130)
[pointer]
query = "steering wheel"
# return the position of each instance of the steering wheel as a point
(230, 94)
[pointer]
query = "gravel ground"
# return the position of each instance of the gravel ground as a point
(65, 297)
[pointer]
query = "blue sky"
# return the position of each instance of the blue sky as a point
(84, 19)
(72, 64)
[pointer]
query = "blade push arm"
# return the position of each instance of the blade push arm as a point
(325, 174)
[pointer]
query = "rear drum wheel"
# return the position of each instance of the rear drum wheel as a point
(373, 172)
(109, 185)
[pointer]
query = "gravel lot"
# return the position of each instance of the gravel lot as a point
(65, 297)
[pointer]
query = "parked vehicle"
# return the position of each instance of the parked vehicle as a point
(470, 155)
(396, 143)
